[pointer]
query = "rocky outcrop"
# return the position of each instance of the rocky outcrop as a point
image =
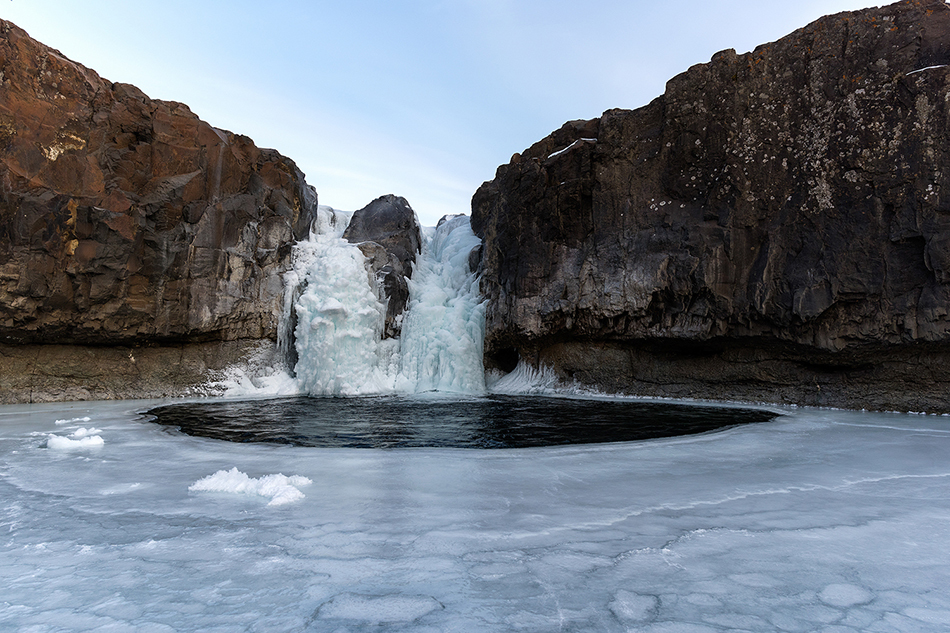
(130, 221)
(776, 227)
(388, 233)
(50, 373)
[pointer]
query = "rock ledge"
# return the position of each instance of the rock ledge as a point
(775, 227)
(127, 221)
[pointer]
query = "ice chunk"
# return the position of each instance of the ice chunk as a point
(634, 607)
(845, 595)
(71, 420)
(60, 443)
(82, 432)
(280, 488)
(331, 306)
(377, 609)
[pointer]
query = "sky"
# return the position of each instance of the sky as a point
(423, 99)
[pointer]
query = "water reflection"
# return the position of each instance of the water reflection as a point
(488, 422)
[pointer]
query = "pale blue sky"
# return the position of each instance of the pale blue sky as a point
(423, 99)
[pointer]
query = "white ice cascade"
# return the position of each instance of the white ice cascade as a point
(444, 330)
(340, 318)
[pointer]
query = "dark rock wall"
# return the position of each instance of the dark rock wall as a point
(387, 232)
(130, 221)
(779, 219)
(125, 219)
(51, 373)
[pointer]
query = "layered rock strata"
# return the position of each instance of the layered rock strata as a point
(387, 232)
(127, 221)
(775, 227)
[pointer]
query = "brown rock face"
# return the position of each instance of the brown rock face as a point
(776, 227)
(127, 220)
(388, 234)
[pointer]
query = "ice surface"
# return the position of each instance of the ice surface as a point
(819, 521)
(377, 609)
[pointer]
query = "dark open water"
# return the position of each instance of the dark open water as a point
(487, 422)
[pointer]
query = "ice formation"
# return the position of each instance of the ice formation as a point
(444, 329)
(72, 420)
(79, 439)
(339, 319)
(279, 488)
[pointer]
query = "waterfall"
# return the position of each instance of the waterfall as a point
(444, 330)
(339, 318)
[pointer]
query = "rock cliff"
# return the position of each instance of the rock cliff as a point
(129, 221)
(388, 234)
(775, 226)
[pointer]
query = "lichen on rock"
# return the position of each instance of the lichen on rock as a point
(387, 232)
(774, 222)
(130, 221)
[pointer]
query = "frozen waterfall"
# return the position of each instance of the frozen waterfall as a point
(444, 330)
(339, 317)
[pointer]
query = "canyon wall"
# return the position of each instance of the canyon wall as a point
(774, 227)
(140, 247)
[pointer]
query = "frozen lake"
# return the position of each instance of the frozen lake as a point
(817, 521)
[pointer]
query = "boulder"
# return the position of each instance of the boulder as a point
(388, 233)
(130, 221)
(775, 226)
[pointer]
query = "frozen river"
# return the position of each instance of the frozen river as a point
(817, 521)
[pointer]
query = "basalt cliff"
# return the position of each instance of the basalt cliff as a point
(140, 247)
(774, 227)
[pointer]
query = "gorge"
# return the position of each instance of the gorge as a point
(140, 247)
(770, 229)
(488, 424)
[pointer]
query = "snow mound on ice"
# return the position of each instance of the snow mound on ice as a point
(83, 440)
(280, 488)
(71, 420)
